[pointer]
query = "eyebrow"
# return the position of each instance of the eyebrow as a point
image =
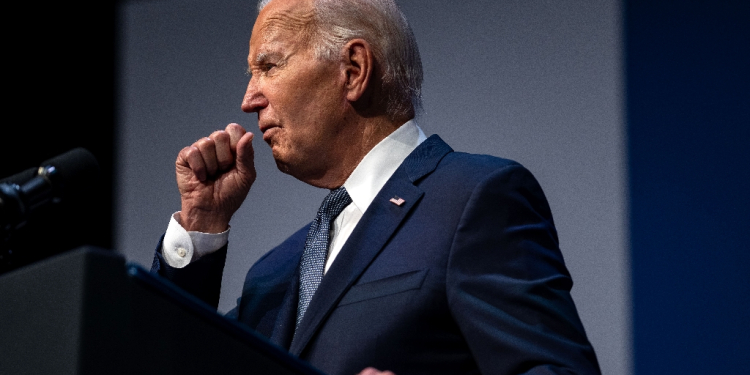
(269, 55)
(260, 57)
(263, 57)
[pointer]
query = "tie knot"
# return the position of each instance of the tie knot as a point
(334, 203)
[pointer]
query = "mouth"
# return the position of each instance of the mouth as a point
(265, 126)
(268, 132)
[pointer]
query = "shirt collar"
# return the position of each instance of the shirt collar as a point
(379, 164)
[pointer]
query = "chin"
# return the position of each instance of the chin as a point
(282, 166)
(290, 168)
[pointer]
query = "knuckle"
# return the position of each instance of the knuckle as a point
(194, 156)
(219, 135)
(189, 152)
(205, 144)
(182, 155)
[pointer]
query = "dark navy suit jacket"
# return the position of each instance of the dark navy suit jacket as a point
(464, 277)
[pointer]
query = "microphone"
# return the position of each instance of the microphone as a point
(55, 181)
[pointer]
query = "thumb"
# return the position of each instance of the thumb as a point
(246, 156)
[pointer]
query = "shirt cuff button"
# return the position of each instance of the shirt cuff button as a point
(181, 252)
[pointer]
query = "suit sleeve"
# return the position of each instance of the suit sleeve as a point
(508, 288)
(201, 278)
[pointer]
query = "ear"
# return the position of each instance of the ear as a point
(358, 64)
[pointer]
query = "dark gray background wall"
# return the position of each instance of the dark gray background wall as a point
(537, 81)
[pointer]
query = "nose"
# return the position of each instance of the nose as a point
(254, 99)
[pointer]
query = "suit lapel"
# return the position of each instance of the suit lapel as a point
(377, 226)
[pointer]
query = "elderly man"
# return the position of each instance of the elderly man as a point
(421, 260)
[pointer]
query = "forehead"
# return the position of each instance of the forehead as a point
(288, 21)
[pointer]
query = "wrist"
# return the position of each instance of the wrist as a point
(195, 220)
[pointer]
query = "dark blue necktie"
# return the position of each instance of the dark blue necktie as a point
(316, 247)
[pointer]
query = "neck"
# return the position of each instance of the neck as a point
(358, 138)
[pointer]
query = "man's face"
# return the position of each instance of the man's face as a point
(299, 99)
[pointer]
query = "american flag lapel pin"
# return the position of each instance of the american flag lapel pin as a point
(397, 201)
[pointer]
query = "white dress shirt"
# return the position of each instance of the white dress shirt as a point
(180, 247)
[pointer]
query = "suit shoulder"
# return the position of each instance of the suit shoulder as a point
(476, 167)
(462, 175)
(489, 161)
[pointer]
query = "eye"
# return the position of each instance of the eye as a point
(267, 67)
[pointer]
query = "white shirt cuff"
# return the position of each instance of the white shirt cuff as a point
(181, 247)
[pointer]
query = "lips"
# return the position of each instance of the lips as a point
(266, 125)
(269, 132)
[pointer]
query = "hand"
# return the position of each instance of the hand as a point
(374, 371)
(214, 175)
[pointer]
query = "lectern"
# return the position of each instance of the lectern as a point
(88, 312)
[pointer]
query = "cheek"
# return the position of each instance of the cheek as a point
(294, 107)
(308, 110)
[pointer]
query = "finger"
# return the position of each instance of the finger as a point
(224, 155)
(236, 131)
(246, 156)
(208, 152)
(191, 158)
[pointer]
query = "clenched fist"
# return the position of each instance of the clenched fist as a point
(214, 175)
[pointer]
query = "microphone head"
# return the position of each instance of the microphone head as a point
(71, 171)
(51, 209)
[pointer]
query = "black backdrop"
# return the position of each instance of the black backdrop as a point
(60, 65)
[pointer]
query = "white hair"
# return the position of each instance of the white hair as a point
(382, 24)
